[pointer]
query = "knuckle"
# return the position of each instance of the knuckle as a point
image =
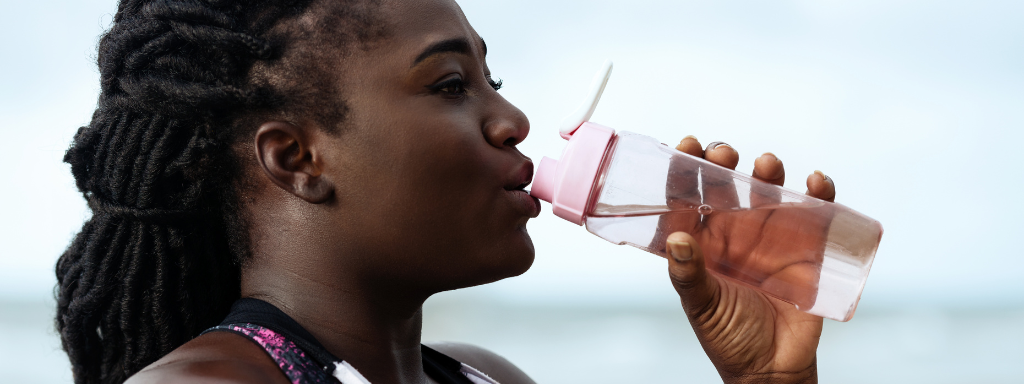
(682, 280)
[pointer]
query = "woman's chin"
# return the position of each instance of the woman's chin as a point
(521, 264)
(499, 264)
(522, 253)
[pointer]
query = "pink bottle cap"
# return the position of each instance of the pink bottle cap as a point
(567, 183)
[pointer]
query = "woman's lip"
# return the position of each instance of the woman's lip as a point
(525, 203)
(522, 178)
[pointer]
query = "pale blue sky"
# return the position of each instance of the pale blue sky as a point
(915, 108)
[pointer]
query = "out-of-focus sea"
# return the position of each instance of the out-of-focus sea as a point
(648, 343)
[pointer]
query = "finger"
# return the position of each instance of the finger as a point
(718, 186)
(821, 186)
(690, 146)
(698, 290)
(768, 168)
(681, 194)
(681, 185)
(722, 154)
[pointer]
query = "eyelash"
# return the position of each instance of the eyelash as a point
(495, 84)
(460, 86)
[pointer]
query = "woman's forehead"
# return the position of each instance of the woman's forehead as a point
(415, 25)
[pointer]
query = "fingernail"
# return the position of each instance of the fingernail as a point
(772, 155)
(824, 177)
(691, 137)
(714, 145)
(680, 251)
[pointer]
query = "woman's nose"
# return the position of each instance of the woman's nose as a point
(507, 125)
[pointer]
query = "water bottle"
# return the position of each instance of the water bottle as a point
(631, 189)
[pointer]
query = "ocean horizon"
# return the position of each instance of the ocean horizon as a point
(648, 342)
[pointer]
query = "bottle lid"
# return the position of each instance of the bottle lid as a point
(586, 110)
(567, 183)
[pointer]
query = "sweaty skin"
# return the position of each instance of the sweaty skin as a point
(418, 192)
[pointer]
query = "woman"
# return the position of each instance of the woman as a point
(334, 164)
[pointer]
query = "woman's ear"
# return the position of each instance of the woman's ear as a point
(289, 156)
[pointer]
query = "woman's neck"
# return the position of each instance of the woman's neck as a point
(378, 333)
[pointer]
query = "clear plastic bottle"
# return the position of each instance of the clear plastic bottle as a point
(631, 189)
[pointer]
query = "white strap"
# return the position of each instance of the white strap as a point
(348, 374)
(476, 376)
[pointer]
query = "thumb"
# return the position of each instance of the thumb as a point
(698, 290)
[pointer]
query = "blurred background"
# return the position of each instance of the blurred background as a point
(915, 108)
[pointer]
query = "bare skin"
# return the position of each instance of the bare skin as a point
(749, 336)
(763, 246)
(419, 193)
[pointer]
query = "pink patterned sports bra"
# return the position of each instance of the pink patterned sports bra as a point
(305, 361)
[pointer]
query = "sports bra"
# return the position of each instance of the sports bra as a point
(305, 361)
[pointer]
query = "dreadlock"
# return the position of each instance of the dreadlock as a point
(159, 260)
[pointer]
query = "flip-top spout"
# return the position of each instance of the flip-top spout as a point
(586, 110)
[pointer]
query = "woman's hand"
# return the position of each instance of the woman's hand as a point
(749, 336)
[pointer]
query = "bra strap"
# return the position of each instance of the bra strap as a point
(301, 368)
(293, 361)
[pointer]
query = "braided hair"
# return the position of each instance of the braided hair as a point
(181, 82)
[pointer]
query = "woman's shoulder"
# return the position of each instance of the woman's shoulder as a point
(224, 357)
(490, 363)
(216, 357)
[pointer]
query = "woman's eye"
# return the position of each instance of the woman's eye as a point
(456, 87)
(451, 87)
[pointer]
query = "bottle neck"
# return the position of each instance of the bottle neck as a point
(568, 183)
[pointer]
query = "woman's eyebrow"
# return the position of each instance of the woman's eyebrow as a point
(457, 45)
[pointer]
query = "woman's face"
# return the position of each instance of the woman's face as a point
(428, 180)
